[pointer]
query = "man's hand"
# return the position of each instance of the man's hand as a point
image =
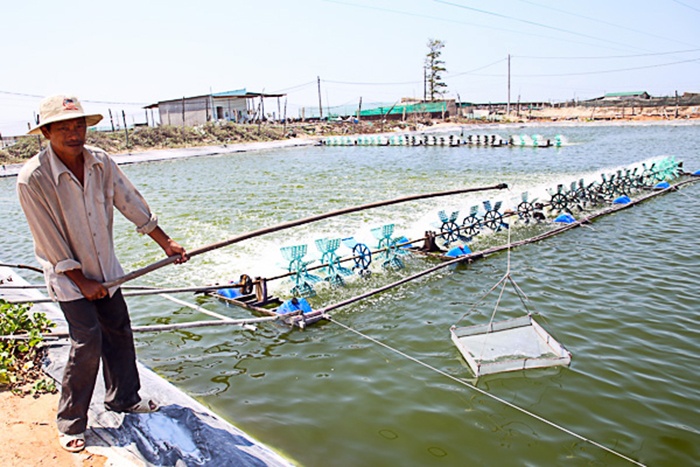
(173, 248)
(92, 290)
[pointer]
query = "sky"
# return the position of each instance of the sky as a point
(122, 56)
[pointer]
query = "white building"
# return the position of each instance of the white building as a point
(237, 106)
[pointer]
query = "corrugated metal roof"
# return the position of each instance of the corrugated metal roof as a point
(234, 93)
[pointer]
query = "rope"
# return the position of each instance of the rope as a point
(496, 398)
(507, 276)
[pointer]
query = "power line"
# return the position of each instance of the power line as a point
(298, 86)
(686, 5)
(604, 57)
(21, 94)
(452, 75)
(615, 70)
(532, 23)
(466, 23)
(11, 93)
(449, 75)
(370, 84)
(598, 20)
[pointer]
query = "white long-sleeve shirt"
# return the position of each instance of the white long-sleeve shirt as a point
(71, 223)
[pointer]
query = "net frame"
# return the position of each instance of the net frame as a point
(473, 343)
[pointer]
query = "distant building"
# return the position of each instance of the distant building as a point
(238, 106)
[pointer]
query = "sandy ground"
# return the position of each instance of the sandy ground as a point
(29, 434)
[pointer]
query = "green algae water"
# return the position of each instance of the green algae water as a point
(620, 294)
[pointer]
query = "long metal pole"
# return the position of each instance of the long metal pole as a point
(290, 224)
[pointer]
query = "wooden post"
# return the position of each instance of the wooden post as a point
(126, 129)
(359, 109)
(279, 112)
(183, 112)
(676, 104)
(111, 120)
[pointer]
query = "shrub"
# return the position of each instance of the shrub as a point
(25, 148)
(20, 360)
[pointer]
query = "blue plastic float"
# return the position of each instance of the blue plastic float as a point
(294, 305)
(230, 293)
(458, 251)
(565, 219)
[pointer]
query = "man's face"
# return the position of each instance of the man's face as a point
(67, 137)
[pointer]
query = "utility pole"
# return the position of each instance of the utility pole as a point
(320, 107)
(508, 105)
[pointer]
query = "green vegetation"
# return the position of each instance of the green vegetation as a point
(435, 67)
(20, 360)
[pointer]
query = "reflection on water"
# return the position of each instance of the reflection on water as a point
(620, 295)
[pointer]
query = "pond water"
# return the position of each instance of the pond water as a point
(621, 295)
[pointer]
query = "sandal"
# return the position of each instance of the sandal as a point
(72, 443)
(143, 406)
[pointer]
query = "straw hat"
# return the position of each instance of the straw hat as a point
(59, 108)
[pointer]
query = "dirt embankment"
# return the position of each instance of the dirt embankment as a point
(616, 113)
(28, 427)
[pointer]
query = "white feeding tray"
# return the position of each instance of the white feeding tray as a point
(509, 345)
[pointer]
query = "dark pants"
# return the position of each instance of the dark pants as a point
(100, 329)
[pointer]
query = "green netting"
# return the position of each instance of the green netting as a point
(422, 107)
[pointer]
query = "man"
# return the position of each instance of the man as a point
(68, 193)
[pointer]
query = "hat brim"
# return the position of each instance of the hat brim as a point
(90, 120)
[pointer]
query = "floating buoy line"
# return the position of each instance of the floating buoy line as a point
(449, 140)
(567, 208)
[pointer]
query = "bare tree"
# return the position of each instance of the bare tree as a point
(434, 68)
